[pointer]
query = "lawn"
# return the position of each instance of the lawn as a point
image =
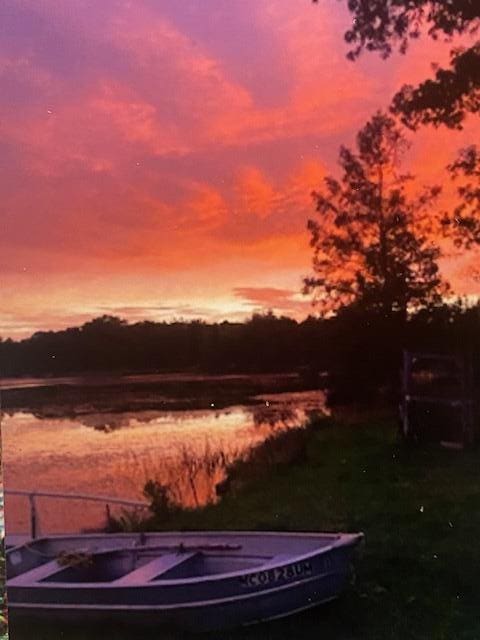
(419, 509)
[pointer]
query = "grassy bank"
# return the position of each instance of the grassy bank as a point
(420, 511)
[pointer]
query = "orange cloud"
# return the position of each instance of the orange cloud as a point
(253, 192)
(137, 121)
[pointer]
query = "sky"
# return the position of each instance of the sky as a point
(158, 157)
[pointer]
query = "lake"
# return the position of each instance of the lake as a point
(108, 436)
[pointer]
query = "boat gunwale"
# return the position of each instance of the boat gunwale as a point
(342, 540)
(193, 534)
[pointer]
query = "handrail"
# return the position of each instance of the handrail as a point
(76, 496)
(31, 495)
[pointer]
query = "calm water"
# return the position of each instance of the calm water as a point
(115, 454)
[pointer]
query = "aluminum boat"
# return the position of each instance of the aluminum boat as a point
(190, 581)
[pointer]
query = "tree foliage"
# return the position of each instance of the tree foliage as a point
(380, 25)
(370, 247)
(447, 98)
(383, 25)
(464, 222)
(263, 343)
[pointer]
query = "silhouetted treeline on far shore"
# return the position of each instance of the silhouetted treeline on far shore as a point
(361, 350)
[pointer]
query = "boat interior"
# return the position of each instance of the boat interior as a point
(134, 560)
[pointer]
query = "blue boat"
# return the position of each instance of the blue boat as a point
(190, 581)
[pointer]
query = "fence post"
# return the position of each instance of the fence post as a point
(33, 516)
(406, 426)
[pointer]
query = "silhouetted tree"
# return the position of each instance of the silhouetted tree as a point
(446, 99)
(369, 246)
(382, 25)
(464, 222)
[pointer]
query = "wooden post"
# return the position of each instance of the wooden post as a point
(33, 516)
(469, 435)
(405, 394)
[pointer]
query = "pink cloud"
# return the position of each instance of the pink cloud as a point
(136, 120)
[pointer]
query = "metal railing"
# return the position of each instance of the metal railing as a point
(32, 495)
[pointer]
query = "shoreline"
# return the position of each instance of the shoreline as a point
(177, 392)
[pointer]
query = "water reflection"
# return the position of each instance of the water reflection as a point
(115, 454)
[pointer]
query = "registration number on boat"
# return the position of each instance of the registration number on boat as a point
(277, 574)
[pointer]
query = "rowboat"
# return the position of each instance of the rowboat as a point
(190, 580)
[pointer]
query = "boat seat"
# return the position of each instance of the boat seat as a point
(154, 568)
(36, 575)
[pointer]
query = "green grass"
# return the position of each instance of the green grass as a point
(420, 511)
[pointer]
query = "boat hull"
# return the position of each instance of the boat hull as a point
(212, 616)
(275, 589)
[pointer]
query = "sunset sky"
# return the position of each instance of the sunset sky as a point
(158, 156)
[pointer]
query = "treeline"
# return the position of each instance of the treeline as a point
(364, 348)
(109, 344)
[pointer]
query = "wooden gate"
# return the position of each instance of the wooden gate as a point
(438, 399)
